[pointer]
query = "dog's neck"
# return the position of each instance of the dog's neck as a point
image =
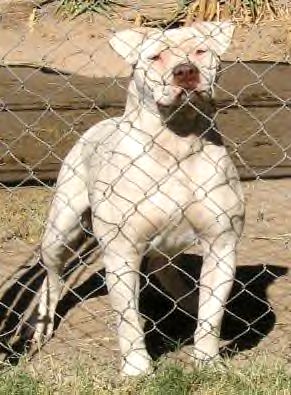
(144, 115)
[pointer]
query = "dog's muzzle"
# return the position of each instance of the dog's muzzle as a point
(186, 76)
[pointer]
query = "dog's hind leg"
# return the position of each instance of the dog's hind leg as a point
(62, 230)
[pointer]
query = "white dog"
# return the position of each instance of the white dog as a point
(156, 179)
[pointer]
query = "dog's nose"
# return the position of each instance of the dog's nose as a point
(186, 75)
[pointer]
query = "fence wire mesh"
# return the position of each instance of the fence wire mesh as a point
(148, 205)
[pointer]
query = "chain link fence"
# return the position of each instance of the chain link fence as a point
(150, 192)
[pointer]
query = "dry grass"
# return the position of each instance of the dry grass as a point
(239, 10)
(74, 8)
(23, 212)
(185, 11)
(258, 378)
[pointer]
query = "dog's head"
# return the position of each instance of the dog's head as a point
(176, 65)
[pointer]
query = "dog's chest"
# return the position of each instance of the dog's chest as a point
(152, 169)
(155, 196)
(158, 196)
(163, 179)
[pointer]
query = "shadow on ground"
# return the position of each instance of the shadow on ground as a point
(249, 317)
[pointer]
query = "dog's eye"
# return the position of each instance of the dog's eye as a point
(200, 51)
(155, 58)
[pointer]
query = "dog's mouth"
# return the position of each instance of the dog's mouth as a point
(189, 95)
(185, 97)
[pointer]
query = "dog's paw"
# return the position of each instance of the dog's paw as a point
(201, 361)
(136, 363)
(43, 332)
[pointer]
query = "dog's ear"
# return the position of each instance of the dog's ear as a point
(127, 43)
(217, 35)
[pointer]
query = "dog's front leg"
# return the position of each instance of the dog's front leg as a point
(216, 281)
(122, 277)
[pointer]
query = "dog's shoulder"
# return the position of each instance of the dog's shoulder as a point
(98, 142)
(100, 132)
(86, 147)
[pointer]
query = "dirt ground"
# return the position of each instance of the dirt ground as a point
(257, 321)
